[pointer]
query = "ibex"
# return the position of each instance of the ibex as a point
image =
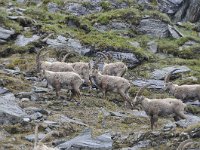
(115, 69)
(160, 107)
(82, 68)
(183, 92)
(67, 80)
(52, 66)
(115, 84)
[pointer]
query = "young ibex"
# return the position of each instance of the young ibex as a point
(113, 84)
(115, 69)
(183, 92)
(67, 80)
(160, 107)
(52, 66)
(82, 68)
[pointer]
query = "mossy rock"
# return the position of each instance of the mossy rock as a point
(193, 109)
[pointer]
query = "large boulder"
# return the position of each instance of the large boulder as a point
(169, 6)
(153, 27)
(189, 11)
(10, 112)
(23, 41)
(85, 141)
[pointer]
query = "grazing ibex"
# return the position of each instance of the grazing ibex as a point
(115, 84)
(115, 69)
(160, 107)
(67, 80)
(52, 66)
(183, 92)
(82, 68)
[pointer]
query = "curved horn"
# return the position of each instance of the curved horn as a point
(106, 57)
(67, 55)
(169, 75)
(142, 89)
(38, 59)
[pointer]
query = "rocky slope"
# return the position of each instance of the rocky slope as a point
(151, 36)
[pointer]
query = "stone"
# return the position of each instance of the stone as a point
(152, 46)
(85, 141)
(157, 84)
(3, 90)
(31, 137)
(174, 32)
(76, 9)
(23, 41)
(36, 89)
(36, 116)
(169, 6)
(52, 7)
(5, 34)
(160, 74)
(130, 59)
(135, 44)
(153, 28)
(190, 120)
(10, 112)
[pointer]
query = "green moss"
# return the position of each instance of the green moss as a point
(105, 5)
(157, 15)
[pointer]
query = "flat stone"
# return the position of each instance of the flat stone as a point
(160, 74)
(85, 141)
(23, 41)
(152, 46)
(31, 137)
(10, 112)
(157, 84)
(190, 120)
(5, 33)
(3, 90)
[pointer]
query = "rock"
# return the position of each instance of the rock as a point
(73, 44)
(187, 45)
(23, 41)
(135, 44)
(129, 58)
(10, 112)
(118, 114)
(158, 84)
(137, 113)
(5, 34)
(189, 11)
(23, 95)
(36, 116)
(153, 28)
(65, 119)
(76, 9)
(31, 138)
(169, 126)
(31, 110)
(152, 46)
(139, 145)
(52, 7)
(3, 90)
(160, 74)
(191, 120)
(11, 71)
(174, 32)
(169, 6)
(36, 89)
(85, 141)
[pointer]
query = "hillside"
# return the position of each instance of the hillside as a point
(152, 37)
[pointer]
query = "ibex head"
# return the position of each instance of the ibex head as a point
(138, 98)
(168, 84)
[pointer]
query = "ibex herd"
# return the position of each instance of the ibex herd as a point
(71, 76)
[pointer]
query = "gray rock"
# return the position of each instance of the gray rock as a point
(169, 6)
(196, 103)
(152, 46)
(158, 84)
(3, 90)
(137, 113)
(23, 95)
(36, 116)
(31, 110)
(10, 112)
(5, 34)
(118, 114)
(23, 41)
(160, 74)
(85, 141)
(40, 89)
(191, 120)
(52, 7)
(11, 71)
(169, 126)
(31, 138)
(76, 9)
(187, 45)
(135, 44)
(73, 44)
(129, 58)
(153, 27)
(174, 32)
(189, 11)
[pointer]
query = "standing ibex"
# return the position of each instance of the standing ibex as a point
(115, 84)
(160, 107)
(82, 68)
(115, 69)
(184, 92)
(67, 80)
